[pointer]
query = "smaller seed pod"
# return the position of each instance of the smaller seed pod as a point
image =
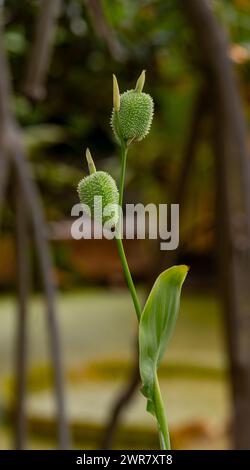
(132, 120)
(99, 183)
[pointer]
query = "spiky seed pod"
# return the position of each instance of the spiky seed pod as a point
(135, 115)
(101, 184)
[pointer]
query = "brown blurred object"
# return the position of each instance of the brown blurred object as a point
(239, 54)
(8, 269)
(41, 50)
(243, 4)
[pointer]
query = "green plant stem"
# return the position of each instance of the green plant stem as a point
(124, 152)
(161, 417)
(121, 251)
(160, 411)
(128, 277)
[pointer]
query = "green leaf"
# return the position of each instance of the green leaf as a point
(156, 326)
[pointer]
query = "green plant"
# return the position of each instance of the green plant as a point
(98, 184)
(131, 120)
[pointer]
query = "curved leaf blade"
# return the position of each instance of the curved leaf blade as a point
(156, 326)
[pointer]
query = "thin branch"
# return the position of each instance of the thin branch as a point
(121, 403)
(103, 29)
(5, 84)
(193, 140)
(36, 215)
(4, 173)
(5, 117)
(23, 277)
(199, 113)
(11, 142)
(41, 50)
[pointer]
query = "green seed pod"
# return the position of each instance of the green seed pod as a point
(133, 120)
(103, 185)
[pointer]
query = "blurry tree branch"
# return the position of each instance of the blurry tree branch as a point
(200, 110)
(23, 280)
(12, 151)
(233, 188)
(122, 401)
(4, 170)
(5, 117)
(41, 50)
(199, 113)
(103, 29)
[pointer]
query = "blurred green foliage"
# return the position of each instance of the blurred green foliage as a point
(153, 35)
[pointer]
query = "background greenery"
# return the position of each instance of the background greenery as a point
(98, 325)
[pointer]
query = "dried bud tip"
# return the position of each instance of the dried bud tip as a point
(91, 165)
(140, 82)
(116, 94)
